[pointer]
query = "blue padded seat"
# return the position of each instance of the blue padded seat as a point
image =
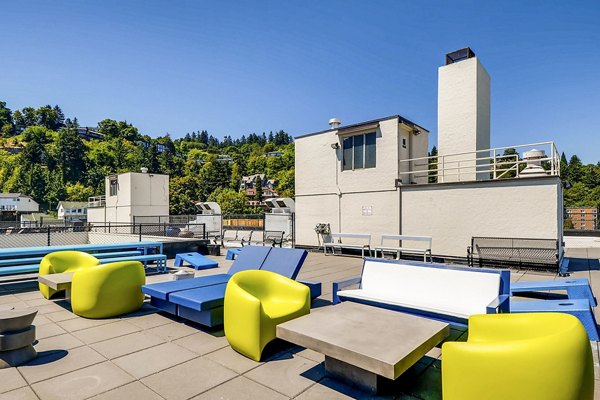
(163, 289)
(286, 262)
(201, 299)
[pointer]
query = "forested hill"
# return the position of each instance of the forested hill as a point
(42, 155)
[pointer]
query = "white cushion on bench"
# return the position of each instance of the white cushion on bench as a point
(446, 291)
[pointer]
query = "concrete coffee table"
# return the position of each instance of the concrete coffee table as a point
(58, 282)
(367, 346)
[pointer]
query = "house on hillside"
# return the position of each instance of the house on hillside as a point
(89, 133)
(72, 210)
(249, 187)
(17, 202)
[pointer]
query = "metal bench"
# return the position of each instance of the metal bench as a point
(274, 238)
(399, 239)
(339, 245)
(235, 236)
(516, 252)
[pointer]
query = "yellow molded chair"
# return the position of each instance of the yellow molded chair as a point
(64, 261)
(108, 290)
(520, 357)
(255, 302)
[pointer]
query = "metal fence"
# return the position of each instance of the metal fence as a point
(110, 233)
(217, 225)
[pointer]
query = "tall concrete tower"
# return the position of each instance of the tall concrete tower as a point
(463, 117)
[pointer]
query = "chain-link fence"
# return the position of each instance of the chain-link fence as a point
(109, 233)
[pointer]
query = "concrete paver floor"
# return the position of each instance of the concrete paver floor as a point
(151, 355)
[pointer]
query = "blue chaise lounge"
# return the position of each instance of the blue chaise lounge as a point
(201, 299)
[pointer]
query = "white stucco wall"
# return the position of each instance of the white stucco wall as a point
(463, 116)
(453, 213)
(138, 195)
(358, 201)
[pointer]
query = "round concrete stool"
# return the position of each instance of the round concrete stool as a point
(16, 336)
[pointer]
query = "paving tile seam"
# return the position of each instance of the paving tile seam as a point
(255, 381)
(120, 386)
(162, 370)
(68, 372)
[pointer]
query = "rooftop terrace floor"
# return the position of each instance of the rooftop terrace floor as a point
(149, 355)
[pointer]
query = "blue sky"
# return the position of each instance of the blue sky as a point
(238, 67)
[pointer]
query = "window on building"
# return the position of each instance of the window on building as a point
(114, 185)
(359, 151)
(404, 142)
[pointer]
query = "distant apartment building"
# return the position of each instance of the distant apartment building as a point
(72, 210)
(17, 202)
(249, 185)
(583, 218)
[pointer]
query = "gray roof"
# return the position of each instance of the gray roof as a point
(73, 204)
(400, 120)
(11, 195)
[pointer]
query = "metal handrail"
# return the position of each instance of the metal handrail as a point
(498, 166)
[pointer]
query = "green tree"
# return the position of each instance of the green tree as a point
(70, 155)
(6, 121)
(258, 193)
(231, 201)
(79, 192)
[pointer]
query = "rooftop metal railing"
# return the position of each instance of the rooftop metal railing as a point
(96, 201)
(488, 164)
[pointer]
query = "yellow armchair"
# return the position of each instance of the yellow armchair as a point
(255, 303)
(63, 261)
(520, 357)
(108, 290)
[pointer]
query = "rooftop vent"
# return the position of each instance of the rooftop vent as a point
(334, 123)
(459, 55)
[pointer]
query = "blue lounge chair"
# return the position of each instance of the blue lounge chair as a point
(201, 299)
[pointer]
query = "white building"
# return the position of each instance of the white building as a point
(375, 177)
(17, 202)
(72, 210)
(130, 195)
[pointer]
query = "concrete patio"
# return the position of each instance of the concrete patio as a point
(151, 355)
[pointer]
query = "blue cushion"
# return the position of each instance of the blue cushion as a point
(200, 299)
(286, 262)
(163, 289)
(251, 257)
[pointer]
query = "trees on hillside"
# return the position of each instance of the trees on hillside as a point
(57, 164)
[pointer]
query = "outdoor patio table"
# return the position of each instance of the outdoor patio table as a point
(364, 345)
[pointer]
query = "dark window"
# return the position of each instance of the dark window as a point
(347, 160)
(114, 184)
(370, 154)
(359, 151)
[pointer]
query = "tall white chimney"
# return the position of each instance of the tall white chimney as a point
(463, 116)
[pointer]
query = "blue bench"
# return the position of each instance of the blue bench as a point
(196, 260)
(21, 260)
(579, 308)
(201, 299)
(576, 288)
